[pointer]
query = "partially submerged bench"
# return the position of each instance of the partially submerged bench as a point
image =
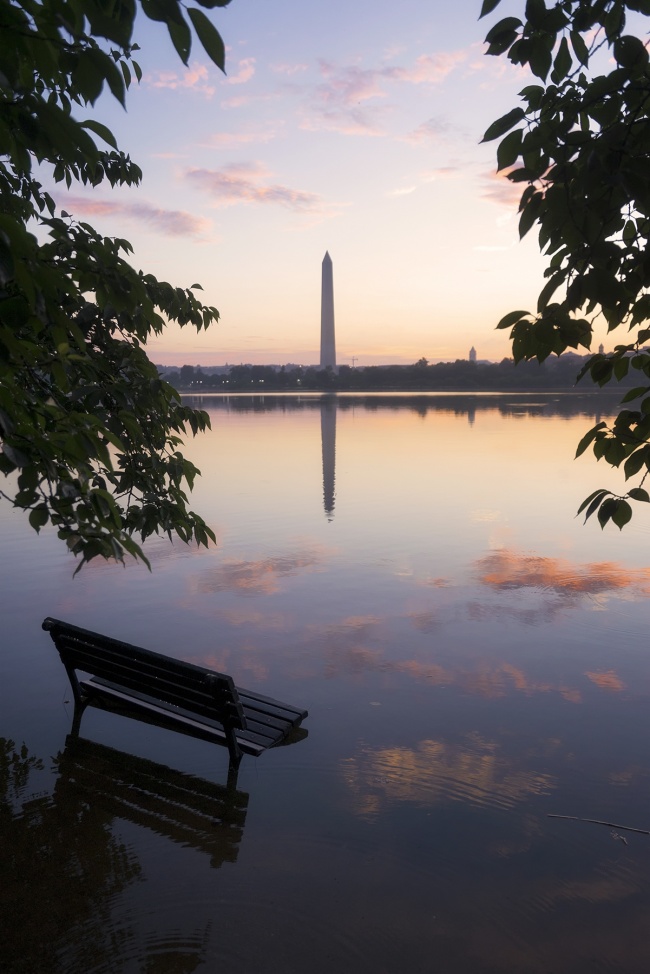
(170, 693)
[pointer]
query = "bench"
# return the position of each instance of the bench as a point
(171, 693)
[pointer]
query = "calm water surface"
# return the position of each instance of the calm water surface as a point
(472, 657)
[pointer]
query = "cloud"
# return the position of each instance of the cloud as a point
(340, 102)
(430, 131)
(606, 680)
(174, 223)
(245, 71)
(499, 189)
(194, 78)
(431, 69)
(430, 176)
(436, 772)
(248, 183)
(405, 191)
(261, 577)
(508, 570)
(226, 139)
(485, 679)
(288, 69)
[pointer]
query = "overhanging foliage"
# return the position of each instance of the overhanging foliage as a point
(579, 143)
(89, 435)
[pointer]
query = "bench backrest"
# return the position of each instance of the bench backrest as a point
(196, 689)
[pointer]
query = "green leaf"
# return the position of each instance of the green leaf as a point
(488, 7)
(512, 318)
(580, 49)
(622, 515)
(101, 130)
(163, 11)
(635, 393)
(595, 504)
(596, 494)
(584, 443)
(529, 214)
(509, 149)
(181, 37)
(630, 52)
(541, 57)
(639, 494)
(503, 124)
(635, 462)
(562, 63)
(606, 511)
(209, 36)
(38, 517)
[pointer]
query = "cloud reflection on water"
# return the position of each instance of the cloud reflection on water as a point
(486, 679)
(510, 569)
(257, 577)
(475, 771)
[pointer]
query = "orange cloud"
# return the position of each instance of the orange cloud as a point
(487, 680)
(260, 577)
(606, 680)
(508, 569)
(435, 772)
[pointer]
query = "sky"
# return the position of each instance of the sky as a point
(352, 127)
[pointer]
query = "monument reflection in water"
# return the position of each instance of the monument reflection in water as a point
(328, 446)
(473, 660)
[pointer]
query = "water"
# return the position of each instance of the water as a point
(473, 659)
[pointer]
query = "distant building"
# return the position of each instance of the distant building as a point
(601, 349)
(327, 342)
(472, 354)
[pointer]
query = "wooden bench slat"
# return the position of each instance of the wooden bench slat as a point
(256, 731)
(207, 732)
(200, 700)
(253, 702)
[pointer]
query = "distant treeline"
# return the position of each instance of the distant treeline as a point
(460, 376)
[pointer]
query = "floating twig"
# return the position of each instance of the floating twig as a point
(597, 821)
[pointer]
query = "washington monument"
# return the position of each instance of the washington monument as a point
(327, 342)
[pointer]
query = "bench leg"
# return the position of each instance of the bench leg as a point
(233, 774)
(79, 707)
(235, 753)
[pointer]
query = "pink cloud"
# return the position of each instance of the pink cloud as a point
(498, 189)
(194, 78)
(245, 71)
(288, 69)
(431, 69)
(340, 102)
(247, 183)
(239, 138)
(174, 223)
